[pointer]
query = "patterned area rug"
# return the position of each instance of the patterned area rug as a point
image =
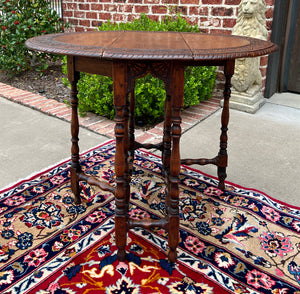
(238, 241)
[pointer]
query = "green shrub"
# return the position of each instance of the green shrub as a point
(19, 21)
(95, 92)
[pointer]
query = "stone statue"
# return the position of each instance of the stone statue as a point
(251, 22)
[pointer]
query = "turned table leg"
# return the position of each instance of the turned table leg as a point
(176, 89)
(75, 169)
(166, 153)
(121, 167)
(222, 156)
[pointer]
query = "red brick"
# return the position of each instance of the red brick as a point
(25, 95)
(269, 25)
(191, 115)
(263, 85)
(127, 8)
(68, 13)
(79, 29)
(120, 17)
(204, 31)
(270, 2)
(73, 21)
(154, 17)
(189, 2)
(96, 23)
(170, 2)
(192, 20)
(31, 99)
(84, 22)
(232, 2)
(105, 130)
(104, 16)
(96, 7)
(263, 71)
(264, 61)
(181, 10)
(84, 6)
(67, 117)
(151, 1)
(40, 104)
(79, 14)
(210, 103)
(160, 125)
(208, 107)
(212, 2)
(108, 134)
(228, 23)
(269, 13)
(145, 137)
(37, 102)
(106, 124)
(72, 6)
(132, 17)
(215, 100)
(222, 11)
(216, 22)
(91, 15)
(50, 107)
(198, 10)
(155, 131)
(141, 9)
(110, 7)
(63, 112)
(58, 108)
(159, 9)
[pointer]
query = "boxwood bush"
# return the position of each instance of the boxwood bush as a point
(96, 92)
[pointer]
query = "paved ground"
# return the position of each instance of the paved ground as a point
(263, 148)
(32, 141)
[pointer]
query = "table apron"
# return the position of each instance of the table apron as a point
(93, 65)
(104, 67)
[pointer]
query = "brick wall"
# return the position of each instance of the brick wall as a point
(211, 16)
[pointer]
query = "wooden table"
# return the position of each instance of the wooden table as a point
(126, 56)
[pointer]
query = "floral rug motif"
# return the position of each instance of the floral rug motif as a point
(237, 241)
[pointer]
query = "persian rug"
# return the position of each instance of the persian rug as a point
(237, 241)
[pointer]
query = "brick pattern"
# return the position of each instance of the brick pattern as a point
(101, 125)
(211, 16)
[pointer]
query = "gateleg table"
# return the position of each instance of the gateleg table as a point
(126, 56)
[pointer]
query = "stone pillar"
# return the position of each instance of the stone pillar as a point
(246, 82)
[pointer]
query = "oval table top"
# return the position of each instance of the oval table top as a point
(141, 45)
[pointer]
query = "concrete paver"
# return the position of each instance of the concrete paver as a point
(31, 141)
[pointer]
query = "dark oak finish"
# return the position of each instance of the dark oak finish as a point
(126, 56)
